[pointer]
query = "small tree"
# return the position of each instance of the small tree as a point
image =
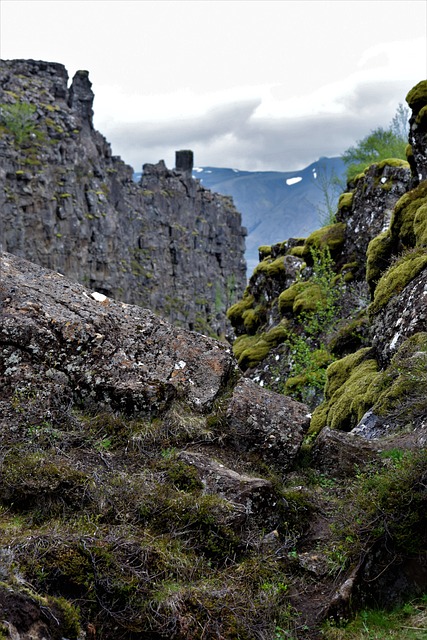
(380, 144)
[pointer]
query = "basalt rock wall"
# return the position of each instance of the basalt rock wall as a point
(68, 204)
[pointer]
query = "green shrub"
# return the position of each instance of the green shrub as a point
(19, 120)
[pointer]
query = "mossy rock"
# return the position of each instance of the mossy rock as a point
(31, 480)
(332, 237)
(339, 371)
(392, 162)
(403, 217)
(298, 251)
(287, 297)
(243, 342)
(271, 268)
(420, 226)
(276, 335)
(345, 200)
(421, 118)
(236, 311)
(349, 392)
(253, 319)
(264, 251)
(350, 337)
(309, 299)
(417, 96)
(404, 388)
(378, 256)
(396, 278)
(252, 356)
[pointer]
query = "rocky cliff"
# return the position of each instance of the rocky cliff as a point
(68, 204)
(149, 490)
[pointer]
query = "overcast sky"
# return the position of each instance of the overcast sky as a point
(256, 85)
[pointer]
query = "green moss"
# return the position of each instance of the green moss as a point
(378, 257)
(408, 152)
(309, 299)
(271, 268)
(253, 319)
(351, 401)
(396, 278)
(404, 383)
(339, 371)
(420, 226)
(287, 297)
(332, 237)
(243, 342)
(421, 118)
(252, 356)
(345, 200)
(264, 251)
(276, 335)
(235, 312)
(405, 210)
(392, 162)
(417, 96)
(297, 251)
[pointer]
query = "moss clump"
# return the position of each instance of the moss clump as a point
(417, 96)
(287, 297)
(298, 252)
(235, 312)
(264, 251)
(392, 162)
(421, 118)
(276, 335)
(312, 297)
(302, 297)
(378, 257)
(347, 392)
(404, 384)
(330, 237)
(397, 277)
(252, 356)
(32, 481)
(271, 268)
(345, 200)
(253, 319)
(242, 343)
(420, 226)
(404, 213)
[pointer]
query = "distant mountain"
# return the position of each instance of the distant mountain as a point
(277, 205)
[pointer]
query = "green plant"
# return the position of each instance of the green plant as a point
(309, 356)
(378, 145)
(19, 120)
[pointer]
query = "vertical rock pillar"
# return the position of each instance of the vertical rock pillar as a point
(184, 161)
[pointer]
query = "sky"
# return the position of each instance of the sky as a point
(253, 85)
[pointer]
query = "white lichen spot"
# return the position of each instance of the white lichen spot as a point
(99, 297)
(383, 180)
(277, 357)
(394, 341)
(180, 365)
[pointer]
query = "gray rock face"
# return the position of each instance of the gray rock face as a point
(374, 197)
(403, 316)
(68, 204)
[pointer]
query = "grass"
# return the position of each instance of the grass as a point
(406, 623)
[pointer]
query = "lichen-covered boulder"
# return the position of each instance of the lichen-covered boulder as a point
(265, 423)
(92, 349)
